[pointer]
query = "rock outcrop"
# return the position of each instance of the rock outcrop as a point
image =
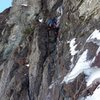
(38, 64)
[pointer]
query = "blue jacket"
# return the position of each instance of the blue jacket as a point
(52, 22)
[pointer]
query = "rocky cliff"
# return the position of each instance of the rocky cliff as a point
(37, 64)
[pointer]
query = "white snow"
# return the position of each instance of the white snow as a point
(94, 35)
(25, 5)
(27, 65)
(96, 94)
(72, 47)
(72, 50)
(40, 20)
(80, 66)
(84, 65)
(89, 71)
(68, 41)
(95, 75)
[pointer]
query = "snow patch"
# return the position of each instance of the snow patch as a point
(95, 75)
(27, 65)
(94, 35)
(40, 20)
(25, 5)
(89, 71)
(96, 94)
(72, 50)
(80, 66)
(72, 47)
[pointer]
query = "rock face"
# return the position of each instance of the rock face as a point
(38, 64)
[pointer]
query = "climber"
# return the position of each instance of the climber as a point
(52, 24)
